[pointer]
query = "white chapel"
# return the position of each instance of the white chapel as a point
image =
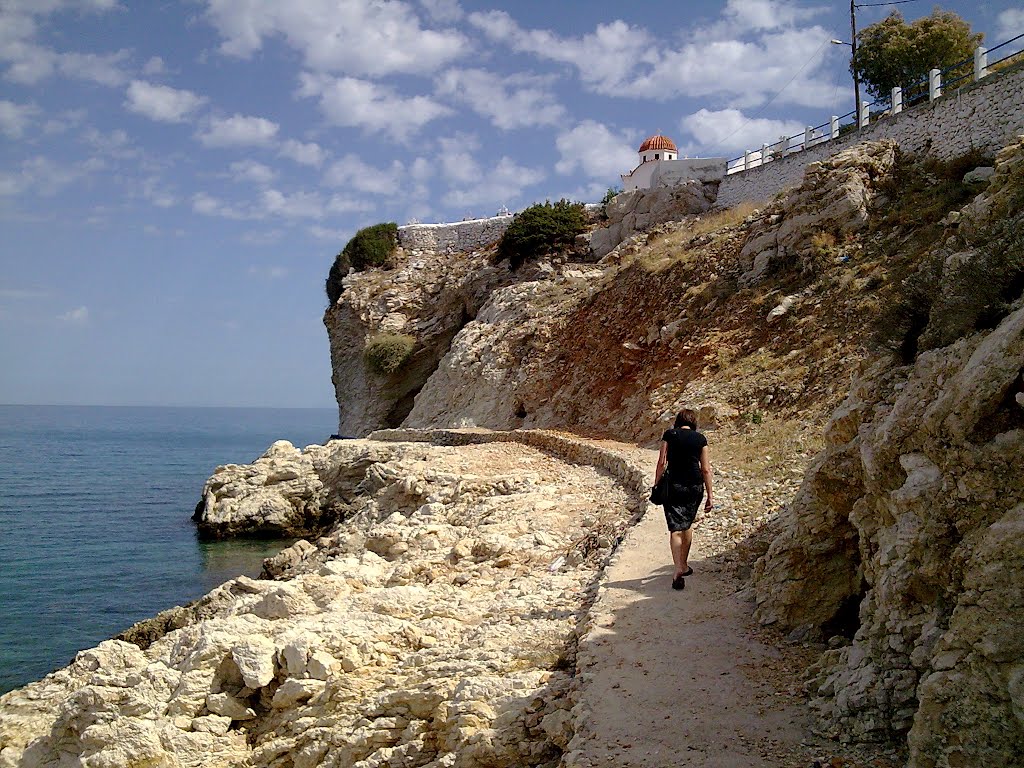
(660, 166)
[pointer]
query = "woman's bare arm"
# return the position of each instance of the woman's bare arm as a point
(662, 460)
(705, 470)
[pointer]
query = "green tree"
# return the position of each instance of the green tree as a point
(369, 247)
(540, 229)
(893, 53)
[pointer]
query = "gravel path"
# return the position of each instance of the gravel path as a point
(675, 678)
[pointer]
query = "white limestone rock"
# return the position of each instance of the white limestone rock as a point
(356, 658)
(836, 196)
(910, 524)
(639, 210)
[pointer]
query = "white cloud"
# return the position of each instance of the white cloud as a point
(766, 14)
(41, 176)
(298, 205)
(64, 121)
(341, 204)
(325, 233)
(499, 185)
(252, 172)
(15, 118)
(595, 149)
(508, 101)
(749, 53)
(352, 172)
(349, 36)
(153, 190)
(161, 102)
(1011, 24)
(353, 103)
(729, 130)
(238, 131)
(421, 169)
(588, 193)
(303, 153)
(116, 144)
(76, 316)
(745, 72)
(604, 58)
(443, 10)
(207, 205)
(31, 63)
(155, 66)
(458, 163)
(102, 68)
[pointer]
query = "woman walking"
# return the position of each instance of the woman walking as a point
(684, 455)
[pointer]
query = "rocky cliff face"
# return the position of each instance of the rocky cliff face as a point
(908, 527)
(736, 315)
(436, 626)
(431, 297)
(900, 540)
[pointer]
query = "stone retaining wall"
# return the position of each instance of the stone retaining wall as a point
(632, 476)
(457, 237)
(984, 115)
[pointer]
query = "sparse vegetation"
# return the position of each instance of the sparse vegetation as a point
(541, 229)
(673, 248)
(385, 353)
(983, 283)
(370, 247)
(924, 191)
(984, 286)
(608, 197)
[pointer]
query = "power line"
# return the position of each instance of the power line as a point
(768, 103)
(894, 2)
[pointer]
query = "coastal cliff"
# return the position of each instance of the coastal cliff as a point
(432, 614)
(435, 626)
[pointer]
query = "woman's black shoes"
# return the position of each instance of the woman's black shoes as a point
(679, 582)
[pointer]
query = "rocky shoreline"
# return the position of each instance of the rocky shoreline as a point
(436, 625)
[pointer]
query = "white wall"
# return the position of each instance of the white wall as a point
(984, 115)
(457, 237)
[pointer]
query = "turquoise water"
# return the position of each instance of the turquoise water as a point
(95, 508)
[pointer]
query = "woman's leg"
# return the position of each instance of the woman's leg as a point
(680, 542)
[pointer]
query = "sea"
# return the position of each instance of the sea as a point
(95, 518)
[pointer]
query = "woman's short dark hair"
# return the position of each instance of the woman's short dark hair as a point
(686, 418)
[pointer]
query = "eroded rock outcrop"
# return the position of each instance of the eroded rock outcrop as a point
(435, 627)
(429, 296)
(641, 209)
(909, 523)
(835, 198)
(478, 382)
(287, 492)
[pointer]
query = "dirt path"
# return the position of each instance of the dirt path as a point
(673, 678)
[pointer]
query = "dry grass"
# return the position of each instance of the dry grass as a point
(768, 443)
(674, 248)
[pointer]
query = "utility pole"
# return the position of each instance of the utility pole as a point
(853, 59)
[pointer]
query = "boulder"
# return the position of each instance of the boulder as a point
(641, 209)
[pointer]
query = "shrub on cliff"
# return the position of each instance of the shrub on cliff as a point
(541, 229)
(386, 352)
(369, 247)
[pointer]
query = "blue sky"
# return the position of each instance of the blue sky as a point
(176, 177)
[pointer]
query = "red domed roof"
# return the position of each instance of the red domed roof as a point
(658, 142)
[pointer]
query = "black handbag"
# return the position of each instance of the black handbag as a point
(659, 493)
